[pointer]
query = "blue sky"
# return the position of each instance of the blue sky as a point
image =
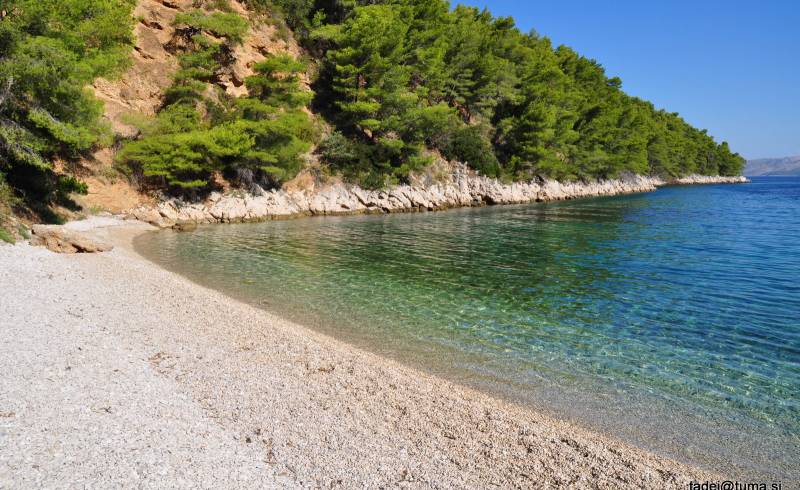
(732, 67)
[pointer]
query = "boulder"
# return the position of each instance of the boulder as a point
(151, 216)
(229, 209)
(62, 240)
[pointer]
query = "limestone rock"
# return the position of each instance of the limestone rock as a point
(229, 209)
(62, 240)
(709, 179)
(461, 187)
(148, 215)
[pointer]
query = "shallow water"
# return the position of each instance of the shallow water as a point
(669, 319)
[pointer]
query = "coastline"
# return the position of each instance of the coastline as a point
(461, 187)
(266, 401)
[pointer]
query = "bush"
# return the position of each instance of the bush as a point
(6, 236)
(469, 145)
(339, 151)
(359, 163)
(296, 13)
(222, 24)
(7, 199)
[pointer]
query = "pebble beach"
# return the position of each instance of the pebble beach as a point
(118, 373)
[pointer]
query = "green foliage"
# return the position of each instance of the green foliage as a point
(469, 145)
(222, 24)
(7, 199)
(400, 81)
(6, 236)
(23, 232)
(399, 76)
(359, 163)
(276, 83)
(340, 151)
(296, 13)
(50, 50)
(202, 56)
(201, 130)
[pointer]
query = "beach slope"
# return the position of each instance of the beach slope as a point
(117, 372)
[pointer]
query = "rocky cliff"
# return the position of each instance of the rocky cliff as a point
(138, 93)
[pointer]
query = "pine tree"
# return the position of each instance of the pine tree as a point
(49, 51)
(202, 131)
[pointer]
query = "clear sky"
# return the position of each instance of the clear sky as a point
(732, 67)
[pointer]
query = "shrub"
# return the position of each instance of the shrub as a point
(222, 24)
(6, 236)
(469, 145)
(7, 199)
(201, 130)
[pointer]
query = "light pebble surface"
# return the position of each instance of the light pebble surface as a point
(117, 373)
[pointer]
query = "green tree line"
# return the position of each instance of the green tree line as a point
(398, 82)
(403, 76)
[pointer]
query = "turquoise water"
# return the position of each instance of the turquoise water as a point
(670, 319)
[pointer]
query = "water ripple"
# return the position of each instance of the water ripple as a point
(685, 299)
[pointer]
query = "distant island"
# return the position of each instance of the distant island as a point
(785, 166)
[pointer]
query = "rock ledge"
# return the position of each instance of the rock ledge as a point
(60, 239)
(462, 188)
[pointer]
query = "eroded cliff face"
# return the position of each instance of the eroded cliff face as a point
(139, 91)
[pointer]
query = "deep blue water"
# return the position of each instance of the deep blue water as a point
(670, 319)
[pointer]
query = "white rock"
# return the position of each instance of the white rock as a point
(462, 188)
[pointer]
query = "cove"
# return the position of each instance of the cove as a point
(669, 319)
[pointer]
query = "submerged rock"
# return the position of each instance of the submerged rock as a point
(62, 240)
(184, 226)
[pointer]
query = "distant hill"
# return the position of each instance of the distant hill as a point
(773, 166)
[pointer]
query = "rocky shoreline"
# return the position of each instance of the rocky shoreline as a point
(462, 188)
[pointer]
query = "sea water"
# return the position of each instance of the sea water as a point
(669, 319)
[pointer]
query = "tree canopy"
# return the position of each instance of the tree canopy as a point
(403, 76)
(50, 50)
